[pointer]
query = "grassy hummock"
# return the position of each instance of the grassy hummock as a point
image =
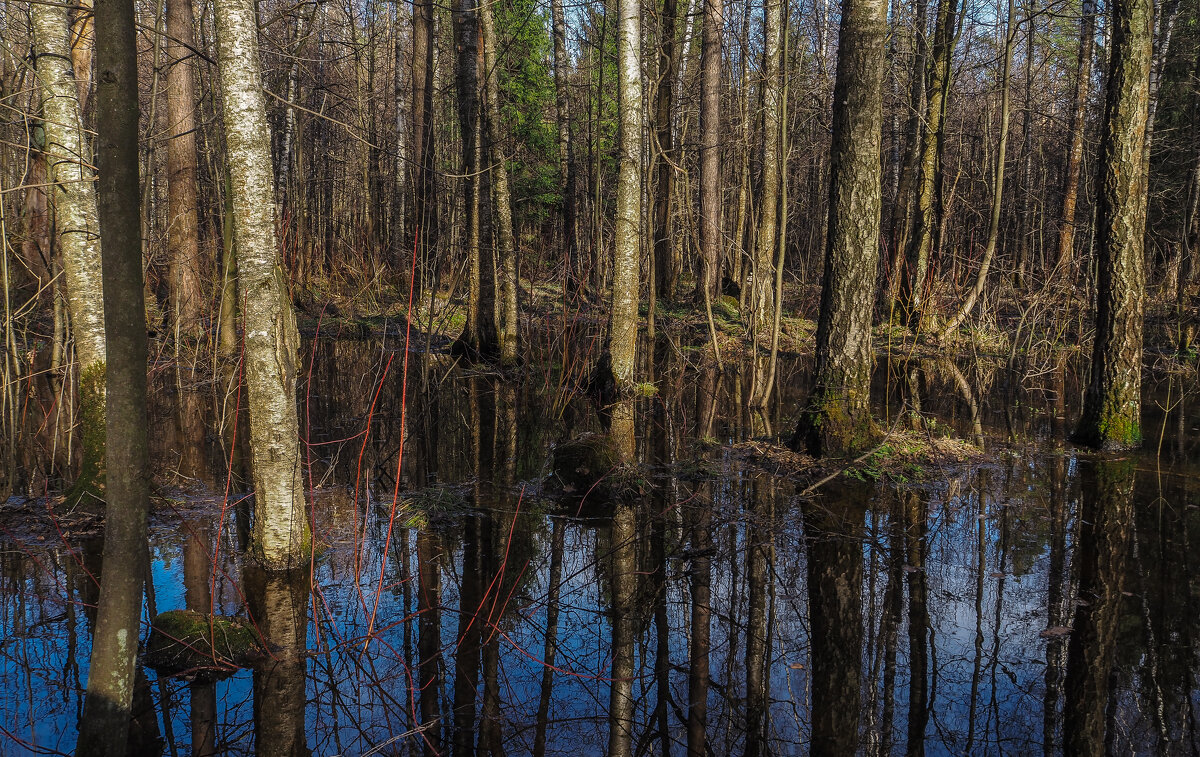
(186, 642)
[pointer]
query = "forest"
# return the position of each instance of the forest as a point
(603, 376)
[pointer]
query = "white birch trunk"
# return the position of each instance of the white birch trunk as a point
(281, 538)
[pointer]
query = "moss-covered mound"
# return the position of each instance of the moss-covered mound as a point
(195, 644)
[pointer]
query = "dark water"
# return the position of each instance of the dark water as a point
(462, 609)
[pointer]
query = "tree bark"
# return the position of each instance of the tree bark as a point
(183, 229)
(838, 417)
(506, 255)
(1083, 82)
(107, 707)
(761, 279)
(566, 152)
(665, 270)
(77, 226)
(623, 313)
(281, 538)
(710, 150)
(921, 242)
(1112, 403)
(423, 226)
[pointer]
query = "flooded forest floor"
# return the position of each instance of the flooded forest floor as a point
(973, 584)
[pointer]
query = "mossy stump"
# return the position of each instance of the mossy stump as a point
(186, 642)
(589, 465)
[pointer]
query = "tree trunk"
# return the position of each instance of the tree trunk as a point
(902, 209)
(566, 155)
(626, 284)
(105, 725)
(1083, 81)
(479, 336)
(1112, 404)
(761, 279)
(665, 270)
(838, 417)
(281, 535)
(77, 226)
(506, 255)
(710, 150)
(183, 229)
(925, 224)
(993, 237)
(423, 226)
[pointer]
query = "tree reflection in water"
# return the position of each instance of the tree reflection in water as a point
(709, 611)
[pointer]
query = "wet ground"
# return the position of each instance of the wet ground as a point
(1042, 600)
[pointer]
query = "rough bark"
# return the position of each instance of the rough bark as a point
(1112, 403)
(1083, 82)
(838, 417)
(107, 707)
(281, 538)
(183, 230)
(623, 313)
(423, 225)
(506, 255)
(710, 150)
(761, 278)
(925, 223)
(77, 226)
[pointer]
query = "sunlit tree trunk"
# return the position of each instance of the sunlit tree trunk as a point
(506, 254)
(993, 233)
(626, 285)
(925, 224)
(1112, 404)
(77, 227)
(710, 149)
(281, 534)
(761, 279)
(183, 231)
(1083, 83)
(107, 707)
(838, 417)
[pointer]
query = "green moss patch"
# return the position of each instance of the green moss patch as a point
(185, 642)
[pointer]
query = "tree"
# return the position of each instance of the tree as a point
(993, 234)
(929, 176)
(104, 727)
(1083, 82)
(281, 535)
(506, 255)
(710, 150)
(665, 268)
(623, 313)
(183, 202)
(77, 226)
(838, 417)
(566, 152)
(761, 278)
(1112, 404)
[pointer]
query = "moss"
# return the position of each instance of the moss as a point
(727, 307)
(186, 641)
(89, 487)
(645, 389)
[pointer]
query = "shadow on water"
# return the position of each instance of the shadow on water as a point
(1041, 600)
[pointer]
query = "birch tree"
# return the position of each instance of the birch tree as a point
(75, 219)
(281, 538)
